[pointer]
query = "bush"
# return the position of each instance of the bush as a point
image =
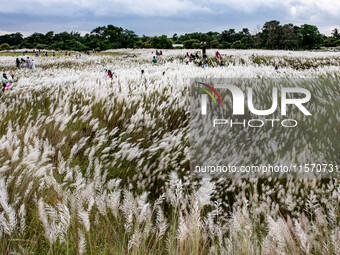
(238, 45)
(191, 44)
(42, 46)
(214, 44)
(5, 46)
(329, 42)
(225, 45)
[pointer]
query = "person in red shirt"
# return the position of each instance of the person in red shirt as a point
(109, 73)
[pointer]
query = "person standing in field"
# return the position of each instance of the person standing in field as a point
(142, 76)
(17, 62)
(218, 55)
(197, 55)
(28, 63)
(186, 60)
(33, 64)
(154, 60)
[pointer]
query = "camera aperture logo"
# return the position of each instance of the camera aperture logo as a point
(239, 101)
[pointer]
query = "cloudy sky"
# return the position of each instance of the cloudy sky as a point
(156, 17)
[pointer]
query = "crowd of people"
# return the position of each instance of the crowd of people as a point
(30, 64)
(190, 58)
(158, 54)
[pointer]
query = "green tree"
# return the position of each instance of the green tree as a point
(227, 35)
(311, 37)
(271, 35)
(175, 38)
(290, 36)
(161, 42)
(225, 45)
(336, 33)
(214, 44)
(330, 42)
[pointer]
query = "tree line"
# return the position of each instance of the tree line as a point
(272, 35)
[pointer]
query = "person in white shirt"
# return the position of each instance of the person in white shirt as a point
(33, 64)
(28, 63)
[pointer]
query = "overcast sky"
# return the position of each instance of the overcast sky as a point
(156, 17)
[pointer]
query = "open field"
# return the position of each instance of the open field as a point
(90, 165)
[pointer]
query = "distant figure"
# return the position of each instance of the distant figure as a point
(206, 64)
(204, 51)
(28, 63)
(53, 54)
(186, 60)
(164, 73)
(160, 53)
(276, 67)
(222, 64)
(196, 55)
(200, 64)
(33, 64)
(109, 74)
(13, 79)
(66, 53)
(218, 55)
(4, 81)
(17, 62)
(142, 76)
(154, 60)
(157, 53)
(79, 56)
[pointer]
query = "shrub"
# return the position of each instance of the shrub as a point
(5, 46)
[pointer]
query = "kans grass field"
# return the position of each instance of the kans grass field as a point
(94, 166)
